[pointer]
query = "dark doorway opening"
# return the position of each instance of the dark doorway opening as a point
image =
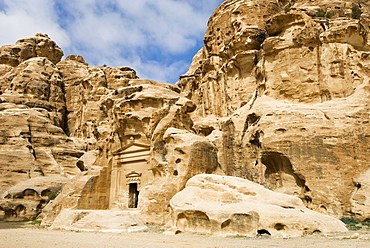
(133, 195)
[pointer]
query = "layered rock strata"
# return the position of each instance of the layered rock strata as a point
(278, 95)
(284, 85)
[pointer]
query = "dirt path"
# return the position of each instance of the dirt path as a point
(27, 236)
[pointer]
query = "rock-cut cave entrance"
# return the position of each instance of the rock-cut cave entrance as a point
(280, 175)
(133, 195)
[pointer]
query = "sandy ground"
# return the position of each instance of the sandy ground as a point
(24, 235)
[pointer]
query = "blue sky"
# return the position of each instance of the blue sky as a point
(157, 38)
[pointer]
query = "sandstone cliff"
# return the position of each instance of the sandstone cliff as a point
(277, 95)
(69, 119)
(286, 84)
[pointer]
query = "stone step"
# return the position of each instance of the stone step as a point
(99, 220)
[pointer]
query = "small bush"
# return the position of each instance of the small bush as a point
(53, 194)
(320, 13)
(356, 12)
(366, 223)
(329, 15)
(287, 8)
(36, 222)
(353, 227)
(353, 224)
(239, 236)
(347, 221)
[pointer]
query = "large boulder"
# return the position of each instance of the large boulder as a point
(38, 46)
(99, 220)
(26, 200)
(224, 205)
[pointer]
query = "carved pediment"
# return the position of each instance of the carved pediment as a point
(132, 148)
(132, 153)
(133, 177)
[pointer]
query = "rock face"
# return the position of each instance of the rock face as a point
(96, 220)
(222, 205)
(33, 140)
(285, 87)
(278, 95)
(26, 200)
(39, 46)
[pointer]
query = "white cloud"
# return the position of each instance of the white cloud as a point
(22, 18)
(156, 38)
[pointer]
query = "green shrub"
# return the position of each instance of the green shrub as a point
(353, 227)
(352, 224)
(347, 220)
(329, 15)
(356, 12)
(36, 222)
(287, 8)
(53, 194)
(366, 223)
(320, 13)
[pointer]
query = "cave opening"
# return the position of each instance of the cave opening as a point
(280, 175)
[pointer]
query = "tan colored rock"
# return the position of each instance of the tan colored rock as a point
(283, 96)
(142, 113)
(119, 115)
(86, 191)
(360, 199)
(33, 142)
(246, 39)
(277, 95)
(36, 83)
(180, 156)
(99, 220)
(38, 46)
(26, 200)
(221, 205)
(31, 146)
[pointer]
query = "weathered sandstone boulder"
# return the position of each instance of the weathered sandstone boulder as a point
(180, 156)
(31, 146)
(38, 46)
(223, 205)
(99, 220)
(26, 200)
(69, 197)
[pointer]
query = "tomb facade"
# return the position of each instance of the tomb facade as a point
(130, 171)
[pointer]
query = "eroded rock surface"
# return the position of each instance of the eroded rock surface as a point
(284, 87)
(278, 95)
(97, 220)
(222, 205)
(39, 46)
(26, 200)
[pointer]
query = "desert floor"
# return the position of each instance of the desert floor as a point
(21, 235)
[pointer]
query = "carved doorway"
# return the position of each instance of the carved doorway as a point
(133, 195)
